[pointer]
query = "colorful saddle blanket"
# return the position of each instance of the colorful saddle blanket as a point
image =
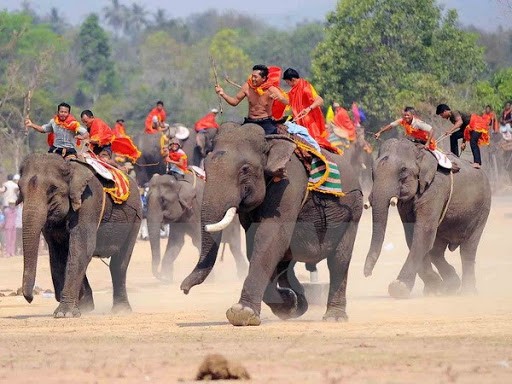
(324, 175)
(117, 185)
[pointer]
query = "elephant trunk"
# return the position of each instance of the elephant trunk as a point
(34, 218)
(380, 210)
(213, 221)
(154, 221)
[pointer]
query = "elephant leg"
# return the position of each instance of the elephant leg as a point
(82, 243)
(468, 255)
(451, 281)
(175, 242)
(423, 241)
(58, 256)
(118, 268)
(284, 294)
(431, 279)
(338, 264)
(86, 301)
(270, 242)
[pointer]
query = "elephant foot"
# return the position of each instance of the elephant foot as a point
(239, 315)
(86, 304)
(165, 278)
(335, 314)
(399, 290)
(293, 304)
(66, 310)
(121, 308)
(468, 289)
(452, 285)
(433, 285)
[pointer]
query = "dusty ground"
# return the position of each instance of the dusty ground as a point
(427, 340)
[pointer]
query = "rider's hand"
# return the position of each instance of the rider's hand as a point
(463, 146)
(219, 90)
(28, 123)
(377, 135)
(448, 132)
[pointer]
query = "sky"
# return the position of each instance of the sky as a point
(485, 14)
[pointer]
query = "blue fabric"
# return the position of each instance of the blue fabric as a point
(299, 130)
(362, 116)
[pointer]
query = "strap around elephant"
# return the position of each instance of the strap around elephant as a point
(449, 199)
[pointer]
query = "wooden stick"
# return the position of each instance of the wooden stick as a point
(231, 81)
(26, 109)
(212, 61)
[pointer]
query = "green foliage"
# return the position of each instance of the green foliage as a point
(380, 52)
(94, 56)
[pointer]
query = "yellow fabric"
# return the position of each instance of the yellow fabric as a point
(315, 186)
(329, 116)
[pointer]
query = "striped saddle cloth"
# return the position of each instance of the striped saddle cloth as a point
(324, 176)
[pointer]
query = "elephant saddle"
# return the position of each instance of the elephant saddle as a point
(324, 174)
(115, 182)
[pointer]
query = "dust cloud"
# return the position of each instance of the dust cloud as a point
(427, 339)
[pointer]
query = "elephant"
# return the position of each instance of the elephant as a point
(439, 209)
(151, 161)
(262, 179)
(178, 203)
(66, 201)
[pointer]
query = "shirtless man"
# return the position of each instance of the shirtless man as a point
(260, 94)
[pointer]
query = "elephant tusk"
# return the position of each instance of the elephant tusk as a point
(367, 205)
(226, 220)
(393, 201)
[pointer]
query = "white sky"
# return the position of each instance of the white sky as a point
(485, 14)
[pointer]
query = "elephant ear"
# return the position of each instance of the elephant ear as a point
(279, 151)
(186, 194)
(80, 177)
(427, 164)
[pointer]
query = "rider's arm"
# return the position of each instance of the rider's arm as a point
(233, 101)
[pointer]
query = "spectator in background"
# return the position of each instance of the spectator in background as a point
(19, 232)
(10, 228)
(491, 118)
(9, 189)
(2, 225)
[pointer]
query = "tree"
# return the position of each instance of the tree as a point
(94, 55)
(28, 51)
(115, 15)
(375, 51)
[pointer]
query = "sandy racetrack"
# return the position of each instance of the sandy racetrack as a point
(423, 339)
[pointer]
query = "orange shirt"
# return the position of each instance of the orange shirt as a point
(119, 130)
(342, 120)
(100, 133)
(160, 116)
(205, 122)
(180, 157)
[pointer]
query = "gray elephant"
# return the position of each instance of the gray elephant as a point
(152, 162)
(178, 203)
(262, 179)
(65, 201)
(439, 209)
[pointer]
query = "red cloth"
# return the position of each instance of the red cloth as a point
(207, 121)
(342, 120)
(161, 116)
(480, 124)
(121, 189)
(180, 157)
(418, 134)
(100, 133)
(302, 96)
(492, 121)
(70, 124)
(119, 130)
(124, 146)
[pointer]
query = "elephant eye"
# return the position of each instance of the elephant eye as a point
(51, 189)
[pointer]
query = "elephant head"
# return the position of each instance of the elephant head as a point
(50, 187)
(238, 169)
(402, 172)
(204, 140)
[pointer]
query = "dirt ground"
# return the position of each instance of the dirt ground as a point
(422, 339)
